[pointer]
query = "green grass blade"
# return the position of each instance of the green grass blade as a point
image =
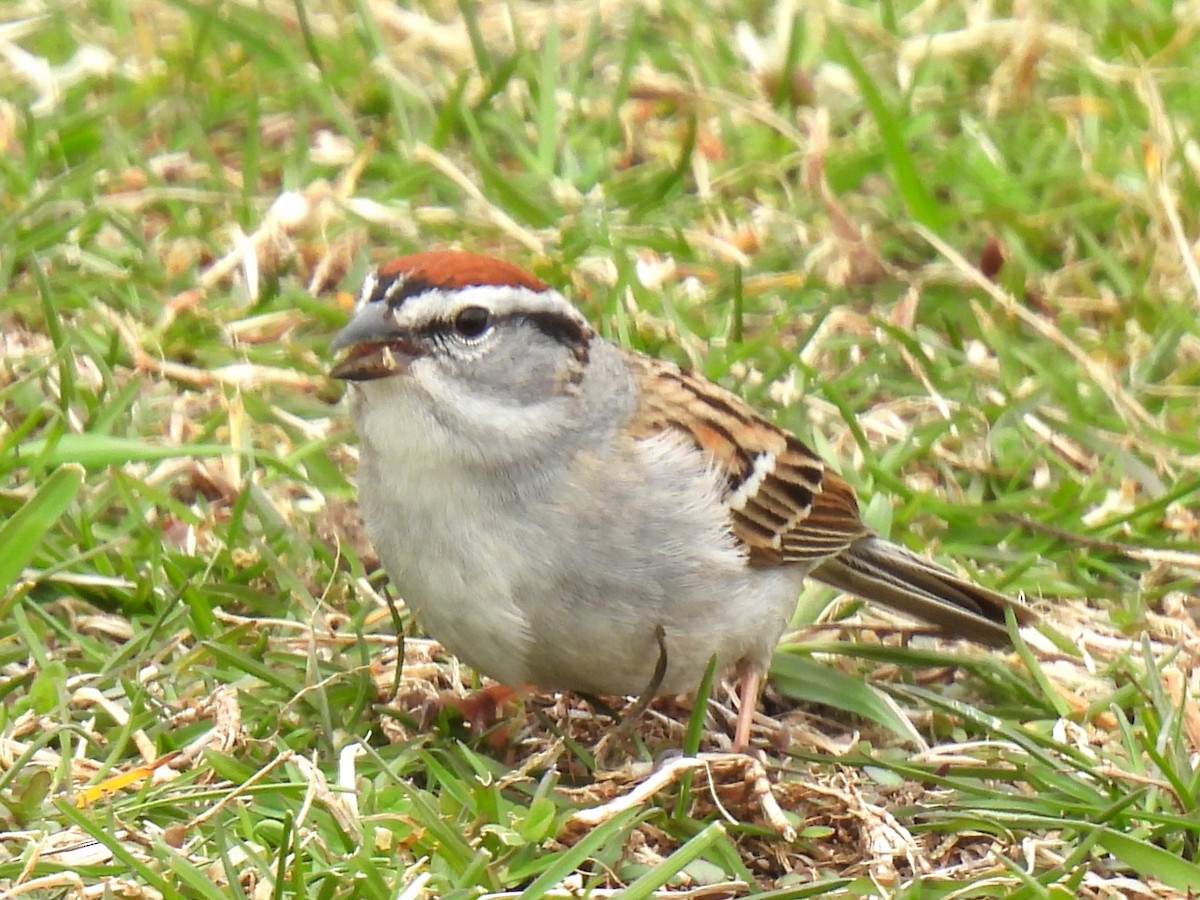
(909, 182)
(803, 679)
(645, 886)
(1152, 861)
(100, 830)
(22, 534)
(570, 860)
(95, 451)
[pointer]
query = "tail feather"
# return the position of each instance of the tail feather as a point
(886, 573)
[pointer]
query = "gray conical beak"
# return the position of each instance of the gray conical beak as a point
(376, 347)
(370, 323)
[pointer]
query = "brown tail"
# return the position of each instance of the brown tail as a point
(886, 573)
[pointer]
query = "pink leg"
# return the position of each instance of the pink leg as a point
(481, 708)
(748, 692)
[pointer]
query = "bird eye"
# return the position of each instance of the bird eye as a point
(472, 321)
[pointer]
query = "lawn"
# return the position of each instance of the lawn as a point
(951, 245)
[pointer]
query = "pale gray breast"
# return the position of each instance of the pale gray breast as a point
(654, 548)
(557, 572)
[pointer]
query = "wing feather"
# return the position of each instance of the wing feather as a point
(784, 504)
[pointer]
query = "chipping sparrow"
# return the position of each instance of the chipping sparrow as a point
(564, 513)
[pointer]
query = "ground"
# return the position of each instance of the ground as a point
(952, 245)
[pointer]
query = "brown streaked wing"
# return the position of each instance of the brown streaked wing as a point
(784, 505)
(832, 525)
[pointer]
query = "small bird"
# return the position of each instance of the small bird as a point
(564, 513)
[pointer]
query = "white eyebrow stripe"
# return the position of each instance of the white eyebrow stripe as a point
(395, 285)
(501, 301)
(370, 283)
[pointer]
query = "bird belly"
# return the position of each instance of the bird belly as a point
(443, 561)
(529, 586)
(613, 646)
(655, 552)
